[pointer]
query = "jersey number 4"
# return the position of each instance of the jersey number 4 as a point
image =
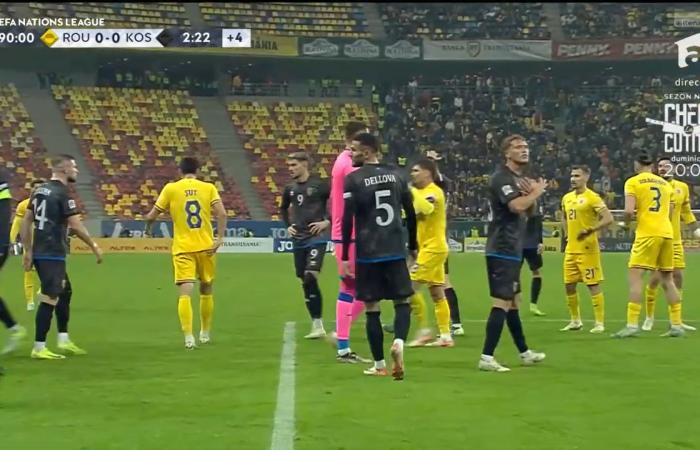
(39, 213)
(193, 210)
(657, 200)
(390, 214)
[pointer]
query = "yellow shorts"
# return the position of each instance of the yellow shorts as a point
(652, 253)
(190, 267)
(583, 268)
(678, 255)
(429, 268)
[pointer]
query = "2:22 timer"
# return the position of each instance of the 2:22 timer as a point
(196, 38)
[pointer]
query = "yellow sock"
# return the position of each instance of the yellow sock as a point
(674, 313)
(442, 314)
(206, 310)
(572, 303)
(598, 301)
(633, 311)
(29, 287)
(184, 311)
(650, 301)
(418, 309)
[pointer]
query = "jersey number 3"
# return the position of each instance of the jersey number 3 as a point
(40, 213)
(390, 214)
(657, 200)
(193, 209)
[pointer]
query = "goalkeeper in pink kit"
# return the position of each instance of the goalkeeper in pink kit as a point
(347, 308)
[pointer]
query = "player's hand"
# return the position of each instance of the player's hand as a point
(98, 253)
(214, 248)
(28, 260)
(292, 231)
(584, 234)
(538, 187)
(317, 228)
(540, 249)
(347, 270)
(411, 260)
(525, 185)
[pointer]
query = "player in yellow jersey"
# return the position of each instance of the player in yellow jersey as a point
(681, 213)
(429, 269)
(585, 214)
(20, 211)
(191, 204)
(652, 198)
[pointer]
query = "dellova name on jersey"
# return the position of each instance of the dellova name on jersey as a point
(380, 179)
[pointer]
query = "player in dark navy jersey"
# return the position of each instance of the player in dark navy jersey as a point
(512, 197)
(375, 195)
(50, 213)
(307, 197)
(532, 253)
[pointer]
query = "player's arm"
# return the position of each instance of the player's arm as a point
(27, 236)
(316, 228)
(411, 221)
(16, 226)
(221, 221)
(348, 216)
(605, 218)
(284, 207)
(519, 198)
(421, 204)
(79, 230)
(630, 202)
(687, 216)
(160, 207)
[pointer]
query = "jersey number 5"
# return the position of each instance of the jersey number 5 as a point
(193, 209)
(40, 213)
(390, 214)
(657, 200)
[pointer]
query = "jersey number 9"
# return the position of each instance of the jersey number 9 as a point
(193, 209)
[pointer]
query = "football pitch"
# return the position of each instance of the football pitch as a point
(139, 389)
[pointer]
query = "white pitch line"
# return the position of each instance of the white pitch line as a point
(284, 428)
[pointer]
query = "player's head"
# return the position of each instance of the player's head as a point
(64, 168)
(298, 165)
(644, 162)
(665, 167)
(365, 148)
(189, 165)
(36, 183)
(423, 173)
(515, 149)
(579, 176)
(352, 128)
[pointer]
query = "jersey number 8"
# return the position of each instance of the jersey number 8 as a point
(193, 209)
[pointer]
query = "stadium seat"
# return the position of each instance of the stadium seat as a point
(118, 15)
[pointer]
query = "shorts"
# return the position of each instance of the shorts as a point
(678, 255)
(52, 275)
(534, 259)
(504, 277)
(386, 280)
(190, 267)
(339, 257)
(583, 268)
(309, 259)
(429, 268)
(652, 253)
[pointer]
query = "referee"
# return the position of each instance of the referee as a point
(512, 197)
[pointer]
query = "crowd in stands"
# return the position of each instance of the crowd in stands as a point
(196, 80)
(596, 20)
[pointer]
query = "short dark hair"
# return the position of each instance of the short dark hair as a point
(299, 156)
(353, 127)
(58, 160)
(582, 167)
(37, 182)
(429, 165)
(369, 140)
(663, 158)
(505, 143)
(189, 165)
(644, 158)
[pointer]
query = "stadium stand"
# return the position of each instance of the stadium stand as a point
(464, 20)
(118, 15)
(594, 20)
(7, 10)
(290, 19)
(270, 132)
(132, 138)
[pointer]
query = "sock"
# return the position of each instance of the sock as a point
(535, 290)
(516, 329)
(375, 335)
(418, 309)
(452, 300)
(184, 312)
(633, 311)
(674, 314)
(39, 346)
(343, 320)
(358, 307)
(206, 311)
(63, 311)
(29, 287)
(494, 327)
(402, 320)
(574, 311)
(650, 301)
(63, 338)
(598, 302)
(5, 316)
(42, 321)
(381, 364)
(442, 315)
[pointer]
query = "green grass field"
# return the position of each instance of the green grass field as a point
(139, 389)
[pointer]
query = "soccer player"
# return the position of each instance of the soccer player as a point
(532, 253)
(14, 235)
(307, 196)
(585, 214)
(191, 204)
(347, 307)
(652, 197)
(17, 332)
(429, 205)
(681, 213)
(511, 197)
(50, 213)
(374, 196)
(446, 185)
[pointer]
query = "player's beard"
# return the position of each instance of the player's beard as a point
(71, 179)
